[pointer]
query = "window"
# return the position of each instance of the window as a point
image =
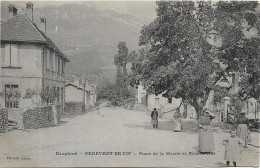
(48, 59)
(12, 96)
(51, 95)
(3, 54)
(47, 94)
(58, 97)
(61, 95)
(51, 61)
(56, 64)
(62, 67)
(10, 55)
(44, 53)
(59, 65)
(169, 100)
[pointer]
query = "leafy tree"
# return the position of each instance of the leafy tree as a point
(113, 94)
(121, 59)
(186, 44)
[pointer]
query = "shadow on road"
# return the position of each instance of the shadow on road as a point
(62, 122)
(220, 164)
(190, 127)
(221, 127)
(196, 148)
(67, 115)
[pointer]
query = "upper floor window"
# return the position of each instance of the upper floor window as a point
(62, 67)
(10, 55)
(51, 60)
(59, 60)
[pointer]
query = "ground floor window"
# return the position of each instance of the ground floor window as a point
(58, 97)
(12, 95)
(61, 95)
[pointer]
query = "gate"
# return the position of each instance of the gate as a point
(231, 114)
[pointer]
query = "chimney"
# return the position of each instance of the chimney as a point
(29, 10)
(43, 24)
(12, 11)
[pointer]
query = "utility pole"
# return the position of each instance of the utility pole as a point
(84, 85)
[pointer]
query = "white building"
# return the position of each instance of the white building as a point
(74, 92)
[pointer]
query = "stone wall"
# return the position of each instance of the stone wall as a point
(41, 117)
(3, 120)
(16, 115)
(72, 108)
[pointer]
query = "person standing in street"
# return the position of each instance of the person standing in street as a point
(206, 140)
(242, 128)
(97, 108)
(177, 121)
(154, 116)
(232, 145)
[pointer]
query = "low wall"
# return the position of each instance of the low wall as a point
(3, 120)
(41, 117)
(16, 115)
(72, 108)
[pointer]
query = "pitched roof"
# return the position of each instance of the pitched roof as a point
(78, 86)
(227, 83)
(21, 29)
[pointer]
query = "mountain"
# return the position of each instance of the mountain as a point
(89, 36)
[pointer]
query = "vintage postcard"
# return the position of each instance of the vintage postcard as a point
(130, 83)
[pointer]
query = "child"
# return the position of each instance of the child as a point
(232, 152)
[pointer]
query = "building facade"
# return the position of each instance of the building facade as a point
(32, 66)
(74, 93)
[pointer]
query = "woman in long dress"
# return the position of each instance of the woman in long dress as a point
(177, 121)
(206, 140)
(242, 129)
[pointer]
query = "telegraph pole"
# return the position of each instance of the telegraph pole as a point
(84, 85)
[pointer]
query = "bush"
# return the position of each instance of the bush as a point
(114, 94)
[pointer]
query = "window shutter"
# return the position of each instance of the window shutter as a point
(3, 54)
(14, 55)
(7, 55)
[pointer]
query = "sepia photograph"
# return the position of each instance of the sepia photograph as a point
(136, 83)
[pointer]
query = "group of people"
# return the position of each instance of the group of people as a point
(177, 120)
(239, 135)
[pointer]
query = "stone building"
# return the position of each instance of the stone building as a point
(31, 65)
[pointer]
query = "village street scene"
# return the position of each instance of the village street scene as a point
(130, 84)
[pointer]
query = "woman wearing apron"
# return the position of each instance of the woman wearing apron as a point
(177, 121)
(242, 129)
(206, 140)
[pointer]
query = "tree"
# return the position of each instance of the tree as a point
(187, 43)
(113, 94)
(121, 59)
